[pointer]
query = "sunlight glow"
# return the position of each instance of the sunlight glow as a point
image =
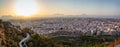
(25, 7)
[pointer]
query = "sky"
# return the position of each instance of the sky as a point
(68, 7)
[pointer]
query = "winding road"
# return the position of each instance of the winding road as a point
(24, 39)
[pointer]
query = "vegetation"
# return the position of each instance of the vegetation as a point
(85, 41)
(10, 37)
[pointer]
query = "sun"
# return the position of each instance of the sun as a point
(25, 7)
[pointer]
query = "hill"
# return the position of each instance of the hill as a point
(10, 37)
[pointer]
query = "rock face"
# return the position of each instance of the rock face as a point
(9, 37)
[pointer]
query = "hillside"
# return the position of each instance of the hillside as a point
(115, 43)
(10, 37)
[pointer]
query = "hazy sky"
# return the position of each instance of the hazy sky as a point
(69, 7)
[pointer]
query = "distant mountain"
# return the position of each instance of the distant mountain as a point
(118, 17)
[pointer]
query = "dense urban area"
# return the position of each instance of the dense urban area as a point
(61, 32)
(72, 26)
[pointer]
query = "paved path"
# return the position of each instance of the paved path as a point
(24, 39)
